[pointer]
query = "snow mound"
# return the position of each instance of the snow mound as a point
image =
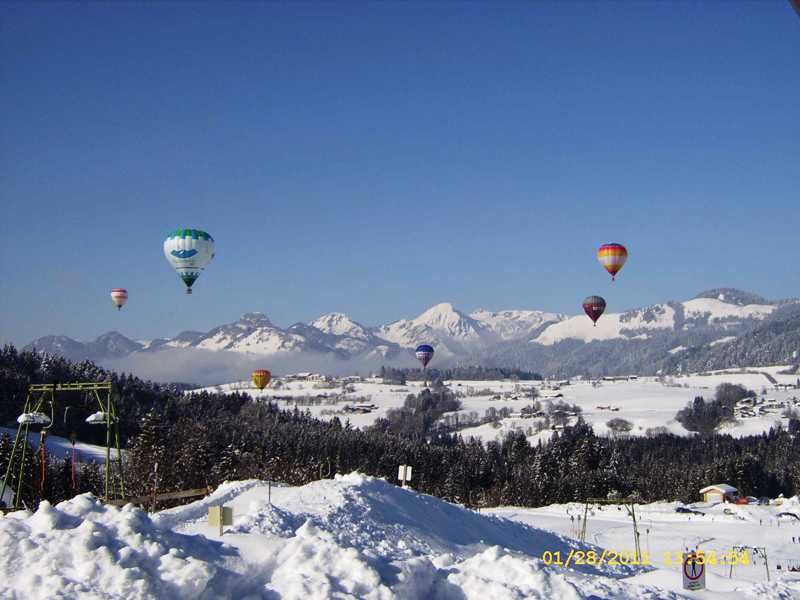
(351, 537)
(84, 549)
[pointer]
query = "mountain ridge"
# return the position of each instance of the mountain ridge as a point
(699, 329)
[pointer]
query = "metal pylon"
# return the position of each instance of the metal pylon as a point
(44, 394)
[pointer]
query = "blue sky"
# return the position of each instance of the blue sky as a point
(376, 159)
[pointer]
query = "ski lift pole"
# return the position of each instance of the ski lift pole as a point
(119, 452)
(6, 483)
(25, 428)
(108, 438)
(636, 534)
(585, 516)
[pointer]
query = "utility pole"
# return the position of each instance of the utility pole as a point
(155, 486)
(629, 505)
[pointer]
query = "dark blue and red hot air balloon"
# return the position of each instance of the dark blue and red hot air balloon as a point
(424, 353)
(594, 306)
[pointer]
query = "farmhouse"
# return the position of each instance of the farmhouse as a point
(720, 492)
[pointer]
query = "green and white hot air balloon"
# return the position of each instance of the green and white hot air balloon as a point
(189, 251)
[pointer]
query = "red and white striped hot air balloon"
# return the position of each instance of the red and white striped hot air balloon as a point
(612, 257)
(119, 296)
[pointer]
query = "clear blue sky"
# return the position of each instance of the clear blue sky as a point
(376, 159)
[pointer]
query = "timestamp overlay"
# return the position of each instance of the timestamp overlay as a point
(667, 559)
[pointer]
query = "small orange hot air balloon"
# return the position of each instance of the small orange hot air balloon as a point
(261, 378)
(612, 257)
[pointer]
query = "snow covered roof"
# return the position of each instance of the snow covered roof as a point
(720, 487)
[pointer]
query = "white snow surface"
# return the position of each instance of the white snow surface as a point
(448, 329)
(514, 324)
(363, 538)
(610, 326)
(659, 316)
(664, 533)
(716, 310)
(62, 447)
(646, 402)
(340, 324)
(351, 537)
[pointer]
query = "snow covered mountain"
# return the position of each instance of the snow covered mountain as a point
(450, 331)
(697, 313)
(340, 333)
(515, 324)
(529, 339)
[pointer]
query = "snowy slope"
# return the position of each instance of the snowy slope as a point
(636, 324)
(340, 332)
(61, 447)
(252, 333)
(442, 325)
(664, 532)
(352, 537)
(631, 325)
(515, 324)
(715, 310)
(341, 324)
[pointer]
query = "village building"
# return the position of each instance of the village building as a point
(720, 492)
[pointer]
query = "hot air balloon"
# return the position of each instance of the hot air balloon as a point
(189, 251)
(261, 378)
(594, 306)
(612, 257)
(119, 296)
(424, 354)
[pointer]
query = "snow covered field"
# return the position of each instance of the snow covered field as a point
(664, 532)
(646, 402)
(356, 537)
(61, 447)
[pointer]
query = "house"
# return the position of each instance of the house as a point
(720, 492)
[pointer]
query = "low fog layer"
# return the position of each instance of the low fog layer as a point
(208, 367)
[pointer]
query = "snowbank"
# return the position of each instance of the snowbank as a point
(352, 537)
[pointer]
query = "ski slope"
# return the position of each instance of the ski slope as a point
(61, 447)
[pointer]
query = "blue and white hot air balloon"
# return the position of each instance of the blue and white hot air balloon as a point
(424, 354)
(189, 251)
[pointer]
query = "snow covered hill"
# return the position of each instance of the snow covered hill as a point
(352, 537)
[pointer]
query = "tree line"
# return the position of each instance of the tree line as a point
(206, 438)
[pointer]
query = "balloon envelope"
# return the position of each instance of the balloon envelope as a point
(189, 251)
(594, 306)
(612, 257)
(424, 354)
(261, 378)
(119, 296)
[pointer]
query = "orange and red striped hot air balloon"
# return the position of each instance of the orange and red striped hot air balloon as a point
(261, 378)
(612, 257)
